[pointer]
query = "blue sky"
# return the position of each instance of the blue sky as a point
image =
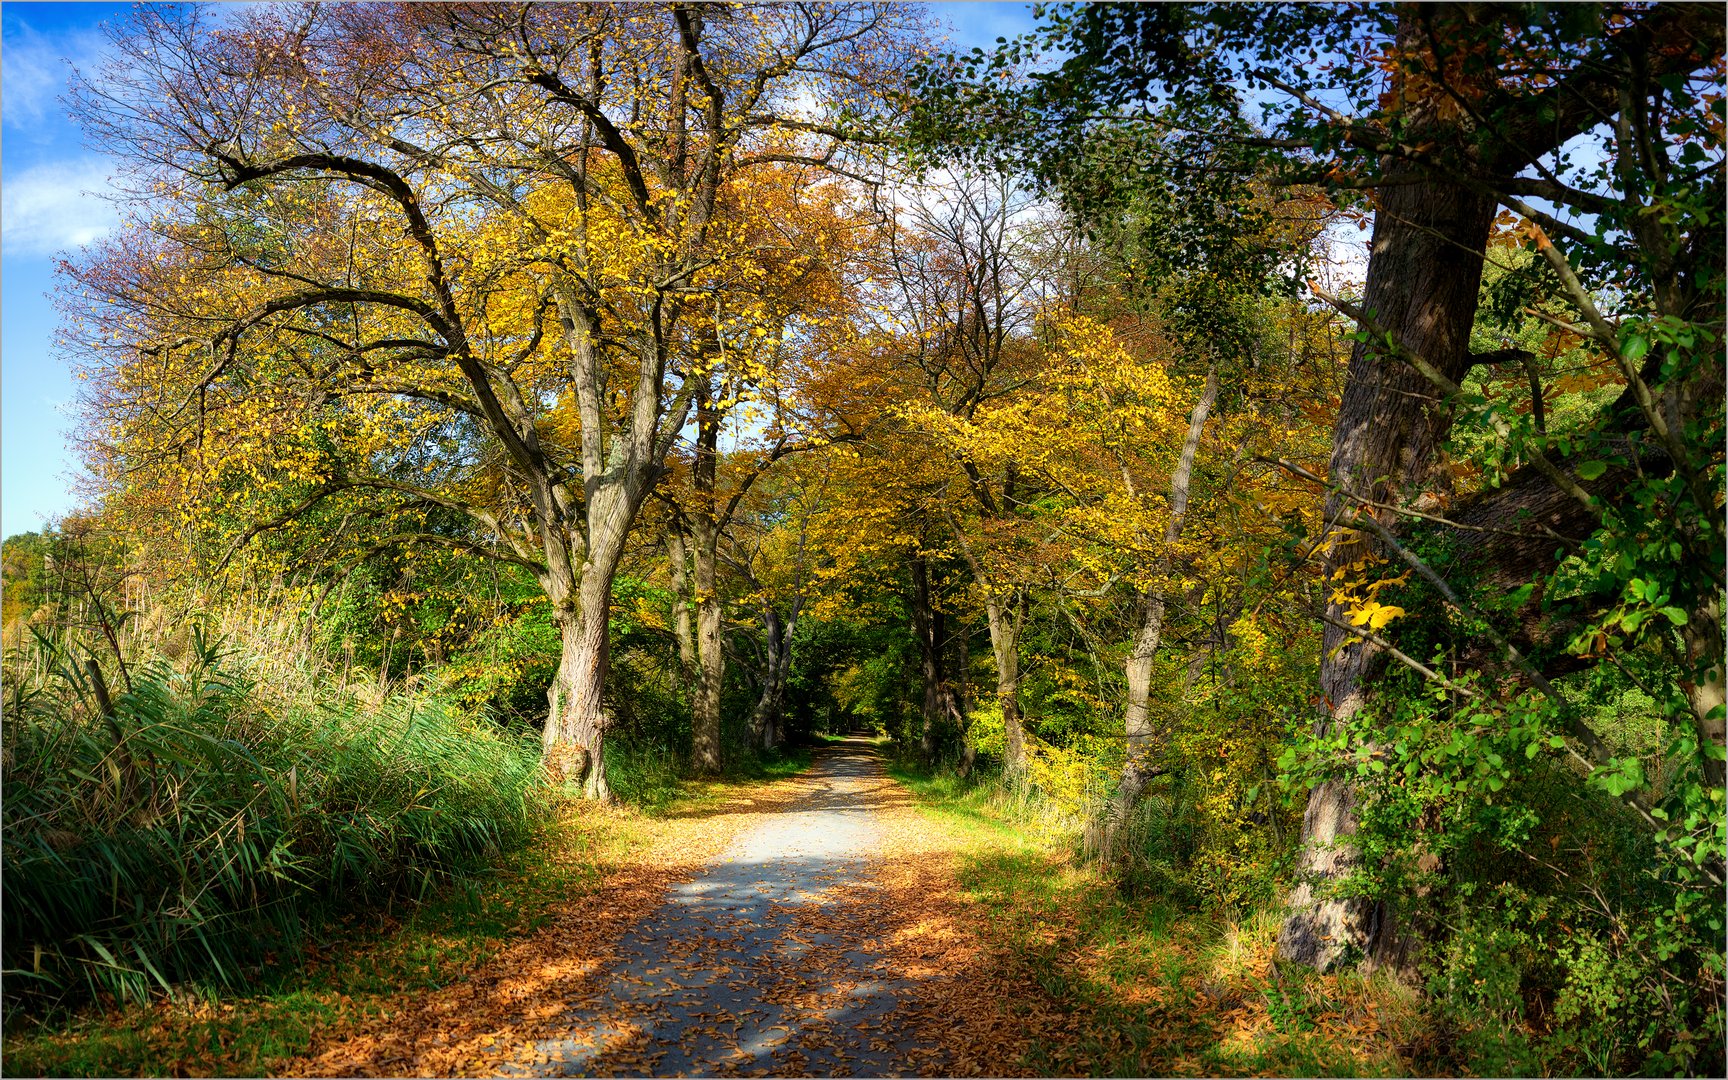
(50, 203)
(44, 169)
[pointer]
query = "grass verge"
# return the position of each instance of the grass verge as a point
(1151, 988)
(358, 972)
(349, 973)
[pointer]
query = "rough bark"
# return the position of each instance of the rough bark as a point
(703, 527)
(941, 709)
(683, 618)
(1423, 277)
(619, 466)
(1006, 617)
(1422, 282)
(573, 741)
(767, 719)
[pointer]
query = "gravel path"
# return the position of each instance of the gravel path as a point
(743, 971)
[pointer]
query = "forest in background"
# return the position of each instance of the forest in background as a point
(495, 405)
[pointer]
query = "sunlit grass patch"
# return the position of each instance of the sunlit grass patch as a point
(1153, 986)
(366, 969)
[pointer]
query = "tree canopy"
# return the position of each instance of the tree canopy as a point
(728, 374)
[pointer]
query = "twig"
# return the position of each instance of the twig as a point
(1434, 375)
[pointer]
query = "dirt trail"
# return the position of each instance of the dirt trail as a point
(809, 926)
(736, 974)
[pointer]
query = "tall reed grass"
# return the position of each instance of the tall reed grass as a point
(221, 803)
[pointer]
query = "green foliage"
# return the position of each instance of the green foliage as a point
(1143, 985)
(211, 816)
(353, 971)
(1160, 845)
(1556, 843)
(27, 559)
(1213, 833)
(868, 682)
(1554, 898)
(641, 772)
(507, 669)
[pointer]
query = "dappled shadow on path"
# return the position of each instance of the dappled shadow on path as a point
(524, 991)
(736, 974)
(751, 938)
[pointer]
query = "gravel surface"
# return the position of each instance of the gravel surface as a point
(739, 973)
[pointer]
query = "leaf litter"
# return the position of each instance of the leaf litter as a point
(811, 925)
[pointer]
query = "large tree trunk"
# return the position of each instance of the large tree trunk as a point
(619, 468)
(1702, 636)
(573, 742)
(1145, 745)
(683, 618)
(618, 471)
(926, 627)
(942, 707)
(766, 721)
(1423, 277)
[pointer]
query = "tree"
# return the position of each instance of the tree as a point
(801, 323)
(495, 239)
(968, 283)
(1444, 114)
(772, 551)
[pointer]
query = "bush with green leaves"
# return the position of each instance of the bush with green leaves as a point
(1551, 897)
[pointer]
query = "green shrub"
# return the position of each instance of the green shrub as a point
(1159, 841)
(210, 816)
(640, 771)
(1556, 916)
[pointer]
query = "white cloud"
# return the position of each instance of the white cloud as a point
(55, 206)
(32, 74)
(35, 68)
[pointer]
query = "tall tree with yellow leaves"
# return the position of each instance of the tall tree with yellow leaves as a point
(501, 226)
(966, 285)
(764, 398)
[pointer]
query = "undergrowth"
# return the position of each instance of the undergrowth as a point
(1156, 984)
(172, 839)
(349, 970)
(650, 776)
(364, 965)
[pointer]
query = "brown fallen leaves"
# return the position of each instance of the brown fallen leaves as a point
(964, 972)
(1131, 993)
(521, 994)
(971, 1009)
(961, 1007)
